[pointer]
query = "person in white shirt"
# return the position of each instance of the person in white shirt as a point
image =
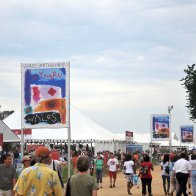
(193, 173)
(129, 172)
(165, 173)
(112, 168)
(182, 168)
(56, 166)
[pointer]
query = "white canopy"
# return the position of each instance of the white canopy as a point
(8, 135)
(145, 138)
(82, 128)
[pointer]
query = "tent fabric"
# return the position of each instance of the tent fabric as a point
(8, 135)
(82, 128)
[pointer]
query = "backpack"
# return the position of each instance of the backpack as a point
(59, 175)
(144, 170)
(167, 169)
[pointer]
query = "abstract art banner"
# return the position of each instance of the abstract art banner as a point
(160, 128)
(45, 95)
(186, 132)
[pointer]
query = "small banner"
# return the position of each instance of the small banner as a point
(160, 128)
(129, 136)
(133, 148)
(186, 132)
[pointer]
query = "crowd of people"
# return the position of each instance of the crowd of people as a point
(41, 175)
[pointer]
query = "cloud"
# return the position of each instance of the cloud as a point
(126, 56)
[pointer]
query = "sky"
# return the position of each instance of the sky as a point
(126, 56)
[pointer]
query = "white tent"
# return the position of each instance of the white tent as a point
(82, 128)
(8, 135)
(144, 138)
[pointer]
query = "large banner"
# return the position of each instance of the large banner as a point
(160, 128)
(45, 89)
(129, 136)
(186, 132)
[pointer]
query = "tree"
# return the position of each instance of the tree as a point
(189, 82)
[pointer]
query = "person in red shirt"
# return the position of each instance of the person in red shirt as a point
(74, 161)
(146, 178)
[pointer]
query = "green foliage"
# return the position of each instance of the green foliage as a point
(189, 82)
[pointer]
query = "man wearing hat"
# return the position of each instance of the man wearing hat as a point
(39, 179)
(26, 160)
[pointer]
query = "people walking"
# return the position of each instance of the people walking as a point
(39, 179)
(146, 176)
(112, 169)
(165, 167)
(99, 170)
(182, 168)
(7, 176)
(74, 161)
(57, 167)
(82, 184)
(174, 182)
(129, 172)
(193, 173)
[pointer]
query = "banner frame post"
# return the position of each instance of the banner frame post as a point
(68, 120)
(170, 132)
(22, 132)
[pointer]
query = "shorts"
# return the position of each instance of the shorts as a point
(112, 174)
(129, 177)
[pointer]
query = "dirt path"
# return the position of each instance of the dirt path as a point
(120, 190)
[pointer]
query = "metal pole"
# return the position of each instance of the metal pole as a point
(68, 122)
(170, 138)
(22, 131)
(69, 150)
(170, 132)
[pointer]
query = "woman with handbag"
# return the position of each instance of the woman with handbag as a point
(165, 167)
(145, 175)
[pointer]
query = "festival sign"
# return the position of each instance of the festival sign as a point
(45, 95)
(129, 136)
(132, 148)
(1, 139)
(160, 127)
(186, 132)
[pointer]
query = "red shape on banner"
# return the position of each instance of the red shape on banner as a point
(52, 91)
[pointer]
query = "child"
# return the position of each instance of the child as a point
(136, 179)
